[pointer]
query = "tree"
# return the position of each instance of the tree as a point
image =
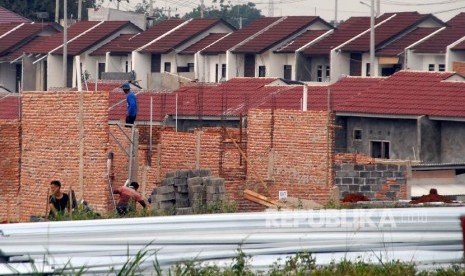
(29, 9)
(235, 15)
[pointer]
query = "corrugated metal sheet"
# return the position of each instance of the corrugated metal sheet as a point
(425, 236)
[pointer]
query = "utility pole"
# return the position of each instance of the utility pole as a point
(65, 43)
(372, 39)
(270, 8)
(151, 8)
(57, 11)
(79, 17)
(202, 8)
(335, 13)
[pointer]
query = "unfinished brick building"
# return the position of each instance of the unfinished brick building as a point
(66, 136)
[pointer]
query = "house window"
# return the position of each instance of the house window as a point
(368, 69)
(190, 67)
(442, 67)
(101, 69)
(380, 149)
(223, 71)
(287, 72)
(328, 72)
(357, 134)
(167, 66)
(319, 73)
(431, 67)
(127, 66)
(262, 71)
(216, 72)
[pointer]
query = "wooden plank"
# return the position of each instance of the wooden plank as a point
(257, 200)
(262, 198)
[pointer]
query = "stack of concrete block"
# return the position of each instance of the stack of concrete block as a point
(214, 188)
(184, 190)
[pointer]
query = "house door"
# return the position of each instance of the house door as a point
(101, 69)
(355, 64)
(69, 71)
(249, 65)
(19, 73)
(155, 63)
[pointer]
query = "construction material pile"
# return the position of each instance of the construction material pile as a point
(184, 191)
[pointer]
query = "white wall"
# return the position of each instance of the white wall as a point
(8, 76)
(422, 61)
(141, 64)
(454, 56)
(54, 71)
(117, 63)
(170, 57)
(235, 65)
(340, 65)
(365, 61)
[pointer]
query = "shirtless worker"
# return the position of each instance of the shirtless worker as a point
(128, 195)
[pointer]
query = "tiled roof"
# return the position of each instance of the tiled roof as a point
(25, 48)
(115, 46)
(411, 93)
(94, 36)
(194, 48)
(300, 41)
(399, 46)
(398, 23)
(7, 16)
(9, 106)
(6, 27)
(282, 30)
(54, 41)
(181, 35)
(150, 34)
(240, 35)
(347, 30)
(21, 36)
(439, 42)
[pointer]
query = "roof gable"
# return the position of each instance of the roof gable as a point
(181, 35)
(239, 36)
(438, 43)
(398, 47)
(398, 23)
(283, 29)
(300, 41)
(55, 41)
(20, 36)
(94, 36)
(7, 16)
(201, 44)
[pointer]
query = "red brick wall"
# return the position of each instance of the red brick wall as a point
(459, 67)
(51, 148)
(9, 169)
(295, 147)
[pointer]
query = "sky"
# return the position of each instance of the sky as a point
(444, 9)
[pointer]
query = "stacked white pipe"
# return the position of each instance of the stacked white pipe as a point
(428, 237)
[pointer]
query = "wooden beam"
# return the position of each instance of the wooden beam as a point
(261, 199)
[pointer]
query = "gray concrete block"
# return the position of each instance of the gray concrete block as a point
(370, 167)
(184, 211)
(166, 205)
(170, 174)
(394, 188)
(338, 181)
(381, 167)
(180, 181)
(359, 167)
(195, 181)
(182, 203)
(348, 167)
(347, 180)
(167, 181)
(393, 167)
(354, 188)
(165, 197)
(182, 173)
(371, 181)
(196, 189)
(182, 189)
(375, 174)
(364, 174)
(365, 188)
(165, 190)
(391, 195)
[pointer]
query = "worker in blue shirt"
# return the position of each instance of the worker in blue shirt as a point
(132, 104)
